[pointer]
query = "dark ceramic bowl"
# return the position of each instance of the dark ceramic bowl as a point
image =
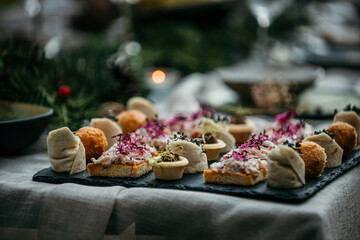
(21, 124)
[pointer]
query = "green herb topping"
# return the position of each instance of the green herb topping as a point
(169, 157)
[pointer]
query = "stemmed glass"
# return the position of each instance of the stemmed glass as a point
(265, 11)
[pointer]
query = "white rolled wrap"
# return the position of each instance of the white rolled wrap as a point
(193, 153)
(109, 127)
(334, 152)
(286, 168)
(143, 105)
(220, 131)
(66, 152)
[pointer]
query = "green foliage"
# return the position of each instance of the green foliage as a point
(207, 39)
(184, 47)
(27, 76)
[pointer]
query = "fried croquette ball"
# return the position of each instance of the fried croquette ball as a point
(94, 141)
(314, 157)
(131, 120)
(345, 135)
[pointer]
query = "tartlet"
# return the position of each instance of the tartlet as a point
(212, 146)
(168, 166)
(241, 130)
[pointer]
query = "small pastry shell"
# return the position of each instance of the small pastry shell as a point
(213, 149)
(242, 132)
(169, 170)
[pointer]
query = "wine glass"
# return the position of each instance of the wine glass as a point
(265, 11)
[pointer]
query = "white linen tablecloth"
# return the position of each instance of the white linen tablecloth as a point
(71, 211)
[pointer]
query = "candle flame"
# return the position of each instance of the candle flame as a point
(158, 76)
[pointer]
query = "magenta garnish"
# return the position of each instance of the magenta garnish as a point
(288, 130)
(294, 128)
(128, 144)
(203, 112)
(154, 127)
(254, 143)
(286, 117)
(176, 119)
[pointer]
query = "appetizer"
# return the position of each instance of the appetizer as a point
(212, 146)
(189, 125)
(94, 141)
(221, 131)
(333, 151)
(154, 133)
(168, 166)
(351, 118)
(286, 128)
(286, 168)
(127, 158)
(345, 135)
(143, 105)
(192, 152)
(130, 120)
(314, 157)
(66, 152)
(109, 127)
(245, 165)
(241, 129)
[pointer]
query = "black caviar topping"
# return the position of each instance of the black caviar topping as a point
(182, 136)
(349, 107)
(295, 146)
(332, 135)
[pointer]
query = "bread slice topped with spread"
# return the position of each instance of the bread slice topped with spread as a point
(245, 165)
(127, 158)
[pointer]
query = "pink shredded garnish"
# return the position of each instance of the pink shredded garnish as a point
(129, 143)
(154, 127)
(286, 117)
(178, 118)
(203, 112)
(288, 130)
(254, 143)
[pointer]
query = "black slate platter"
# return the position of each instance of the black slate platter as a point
(195, 182)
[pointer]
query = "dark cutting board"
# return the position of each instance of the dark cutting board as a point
(195, 182)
